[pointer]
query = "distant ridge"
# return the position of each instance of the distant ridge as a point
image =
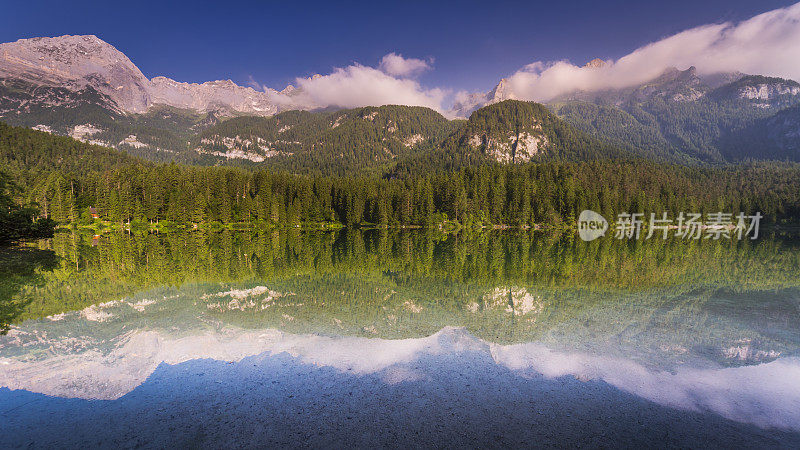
(77, 62)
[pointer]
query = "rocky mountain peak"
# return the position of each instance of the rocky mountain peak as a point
(220, 95)
(75, 62)
(501, 92)
(471, 102)
(68, 50)
(595, 64)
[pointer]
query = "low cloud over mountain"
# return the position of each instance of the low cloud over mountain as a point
(767, 44)
(391, 83)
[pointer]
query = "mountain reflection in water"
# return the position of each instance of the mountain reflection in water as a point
(700, 326)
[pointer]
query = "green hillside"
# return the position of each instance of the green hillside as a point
(325, 141)
(681, 118)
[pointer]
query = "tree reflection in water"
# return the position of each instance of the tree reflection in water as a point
(20, 267)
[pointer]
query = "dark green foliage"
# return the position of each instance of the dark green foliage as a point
(501, 124)
(327, 142)
(20, 268)
(27, 104)
(164, 129)
(776, 138)
(549, 192)
(618, 127)
(512, 117)
(17, 222)
(679, 118)
(26, 151)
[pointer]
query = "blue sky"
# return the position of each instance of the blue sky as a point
(473, 44)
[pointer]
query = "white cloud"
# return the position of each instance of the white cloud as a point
(767, 44)
(251, 82)
(357, 85)
(397, 66)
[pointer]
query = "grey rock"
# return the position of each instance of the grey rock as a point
(76, 62)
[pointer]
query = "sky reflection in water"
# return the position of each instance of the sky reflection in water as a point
(700, 326)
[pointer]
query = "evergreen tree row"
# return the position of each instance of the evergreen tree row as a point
(521, 195)
(69, 181)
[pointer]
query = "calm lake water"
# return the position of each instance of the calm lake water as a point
(502, 338)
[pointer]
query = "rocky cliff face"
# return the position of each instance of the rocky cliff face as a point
(472, 102)
(512, 147)
(511, 132)
(77, 62)
(595, 63)
(211, 96)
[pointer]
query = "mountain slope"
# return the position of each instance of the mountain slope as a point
(683, 116)
(618, 127)
(54, 108)
(776, 137)
(80, 86)
(75, 62)
(28, 153)
(88, 115)
(514, 131)
(507, 132)
(351, 138)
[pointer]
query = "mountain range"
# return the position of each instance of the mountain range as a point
(81, 86)
(81, 63)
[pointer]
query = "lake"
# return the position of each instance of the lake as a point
(365, 338)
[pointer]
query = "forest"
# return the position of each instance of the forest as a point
(68, 182)
(17, 221)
